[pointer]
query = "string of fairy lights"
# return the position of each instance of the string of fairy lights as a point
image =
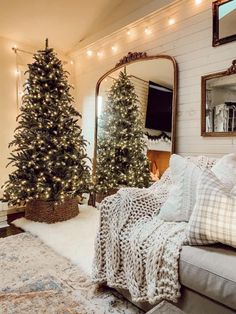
(129, 32)
(90, 52)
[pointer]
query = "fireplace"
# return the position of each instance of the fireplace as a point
(159, 162)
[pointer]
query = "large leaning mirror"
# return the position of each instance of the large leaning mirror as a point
(224, 21)
(219, 103)
(151, 83)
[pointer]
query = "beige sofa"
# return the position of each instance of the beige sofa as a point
(208, 278)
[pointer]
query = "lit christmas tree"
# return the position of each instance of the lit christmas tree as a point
(121, 156)
(49, 151)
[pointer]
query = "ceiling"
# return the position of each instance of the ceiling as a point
(69, 23)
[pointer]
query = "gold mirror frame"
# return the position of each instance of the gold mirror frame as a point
(230, 71)
(132, 58)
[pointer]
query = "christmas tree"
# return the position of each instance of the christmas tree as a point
(49, 158)
(121, 158)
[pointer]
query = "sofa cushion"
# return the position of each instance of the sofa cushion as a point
(214, 216)
(225, 170)
(210, 271)
(184, 173)
(182, 194)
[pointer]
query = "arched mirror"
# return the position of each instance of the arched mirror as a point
(155, 82)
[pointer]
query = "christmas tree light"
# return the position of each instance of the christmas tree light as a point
(48, 148)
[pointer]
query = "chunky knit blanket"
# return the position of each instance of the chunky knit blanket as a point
(136, 250)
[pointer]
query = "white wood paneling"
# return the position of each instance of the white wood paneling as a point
(189, 41)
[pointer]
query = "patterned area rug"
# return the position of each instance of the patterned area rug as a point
(35, 280)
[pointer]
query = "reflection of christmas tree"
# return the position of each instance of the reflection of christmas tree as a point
(49, 155)
(121, 159)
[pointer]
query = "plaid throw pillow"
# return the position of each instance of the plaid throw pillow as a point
(214, 215)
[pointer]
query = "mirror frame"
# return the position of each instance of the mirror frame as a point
(133, 57)
(231, 70)
(216, 41)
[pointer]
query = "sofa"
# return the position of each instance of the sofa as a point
(208, 278)
(195, 194)
(207, 274)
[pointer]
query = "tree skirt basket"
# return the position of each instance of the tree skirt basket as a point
(100, 196)
(47, 211)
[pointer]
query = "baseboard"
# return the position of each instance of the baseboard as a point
(4, 207)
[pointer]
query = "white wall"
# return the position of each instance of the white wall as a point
(8, 99)
(189, 41)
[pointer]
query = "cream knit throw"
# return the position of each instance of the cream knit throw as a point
(134, 249)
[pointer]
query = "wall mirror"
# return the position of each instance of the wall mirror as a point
(219, 103)
(224, 21)
(155, 79)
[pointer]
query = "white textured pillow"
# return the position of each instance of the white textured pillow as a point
(214, 215)
(233, 191)
(182, 196)
(225, 170)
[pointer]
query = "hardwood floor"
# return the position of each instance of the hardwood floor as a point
(11, 230)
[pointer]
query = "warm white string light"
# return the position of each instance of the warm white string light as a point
(147, 31)
(114, 48)
(100, 54)
(197, 2)
(89, 52)
(171, 21)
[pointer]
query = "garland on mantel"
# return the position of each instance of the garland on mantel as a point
(162, 136)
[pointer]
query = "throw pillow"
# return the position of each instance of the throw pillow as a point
(233, 191)
(225, 170)
(182, 194)
(214, 215)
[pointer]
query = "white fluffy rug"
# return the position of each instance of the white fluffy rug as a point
(73, 239)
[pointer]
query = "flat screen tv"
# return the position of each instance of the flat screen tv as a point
(159, 108)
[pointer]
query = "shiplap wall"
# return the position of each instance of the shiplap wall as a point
(189, 41)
